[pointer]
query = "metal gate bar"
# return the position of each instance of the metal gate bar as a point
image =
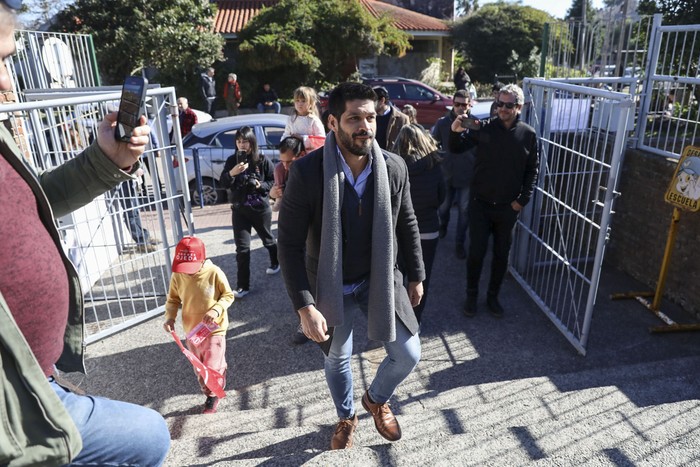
(121, 242)
(560, 237)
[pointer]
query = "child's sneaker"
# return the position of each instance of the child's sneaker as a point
(211, 404)
(240, 292)
(273, 269)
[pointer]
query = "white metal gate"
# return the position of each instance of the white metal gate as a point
(121, 243)
(560, 238)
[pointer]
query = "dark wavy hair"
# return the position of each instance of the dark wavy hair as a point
(246, 133)
(348, 92)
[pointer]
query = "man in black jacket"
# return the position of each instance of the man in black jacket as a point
(505, 173)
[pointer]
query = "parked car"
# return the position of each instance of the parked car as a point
(430, 103)
(214, 143)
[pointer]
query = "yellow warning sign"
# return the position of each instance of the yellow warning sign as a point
(684, 191)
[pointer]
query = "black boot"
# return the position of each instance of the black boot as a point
(470, 305)
(494, 306)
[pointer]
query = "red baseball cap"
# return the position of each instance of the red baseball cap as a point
(189, 255)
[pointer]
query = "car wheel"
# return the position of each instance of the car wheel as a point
(210, 194)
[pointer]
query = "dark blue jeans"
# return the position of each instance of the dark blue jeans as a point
(115, 433)
(459, 195)
(487, 219)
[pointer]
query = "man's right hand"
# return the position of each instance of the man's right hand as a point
(313, 324)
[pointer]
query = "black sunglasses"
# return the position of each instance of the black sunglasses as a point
(460, 104)
(508, 105)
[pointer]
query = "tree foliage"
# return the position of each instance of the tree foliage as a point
(575, 11)
(173, 36)
(312, 42)
(497, 32)
(675, 12)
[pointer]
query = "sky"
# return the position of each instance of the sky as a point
(556, 8)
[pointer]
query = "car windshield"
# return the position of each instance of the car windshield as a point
(226, 139)
(191, 139)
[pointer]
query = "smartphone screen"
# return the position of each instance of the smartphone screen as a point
(130, 106)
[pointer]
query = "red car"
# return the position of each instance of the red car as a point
(430, 103)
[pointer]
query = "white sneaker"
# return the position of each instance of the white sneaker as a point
(276, 205)
(274, 269)
(240, 293)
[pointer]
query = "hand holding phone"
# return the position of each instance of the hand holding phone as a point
(241, 157)
(130, 107)
(471, 123)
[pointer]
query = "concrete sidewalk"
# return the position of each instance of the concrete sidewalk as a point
(486, 392)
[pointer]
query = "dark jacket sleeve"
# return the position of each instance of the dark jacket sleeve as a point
(458, 142)
(531, 170)
(226, 180)
(293, 226)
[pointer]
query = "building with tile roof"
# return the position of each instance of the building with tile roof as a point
(431, 37)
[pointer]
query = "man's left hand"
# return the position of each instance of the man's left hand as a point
(415, 293)
(123, 154)
(516, 206)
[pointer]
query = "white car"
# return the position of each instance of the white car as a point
(214, 142)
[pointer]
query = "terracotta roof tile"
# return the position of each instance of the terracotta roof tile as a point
(404, 19)
(233, 15)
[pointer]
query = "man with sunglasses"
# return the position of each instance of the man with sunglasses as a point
(458, 169)
(505, 173)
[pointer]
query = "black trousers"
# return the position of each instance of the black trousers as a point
(486, 219)
(244, 220)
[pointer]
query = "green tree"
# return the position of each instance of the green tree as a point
(173, 36)
(489, 39)
(315, 42)
(575, 12)
(675, 12)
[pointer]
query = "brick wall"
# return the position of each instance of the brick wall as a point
(640, 228)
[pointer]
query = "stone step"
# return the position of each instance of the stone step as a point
(501, 423)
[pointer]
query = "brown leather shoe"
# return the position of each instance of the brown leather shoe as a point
(384, 419)
(344, 431)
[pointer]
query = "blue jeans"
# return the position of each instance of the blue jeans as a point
(459, 195)
(115, 433)
(402, 357)
(276, 106)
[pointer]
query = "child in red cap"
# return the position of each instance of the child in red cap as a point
(203, 292)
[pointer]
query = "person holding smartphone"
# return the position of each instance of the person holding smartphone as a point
(249, 175)
(41, 308)
(458, 170)
(505, 173)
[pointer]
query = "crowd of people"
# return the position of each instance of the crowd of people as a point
(361, 209)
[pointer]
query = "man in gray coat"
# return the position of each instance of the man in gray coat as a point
(345, 213)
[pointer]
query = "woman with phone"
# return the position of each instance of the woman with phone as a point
(249, 175)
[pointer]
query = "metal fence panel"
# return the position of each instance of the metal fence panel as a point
(121, 242)
(559, 240)
(670, 104)
(664, 62)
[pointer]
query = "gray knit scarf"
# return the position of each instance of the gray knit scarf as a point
(329, 292)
